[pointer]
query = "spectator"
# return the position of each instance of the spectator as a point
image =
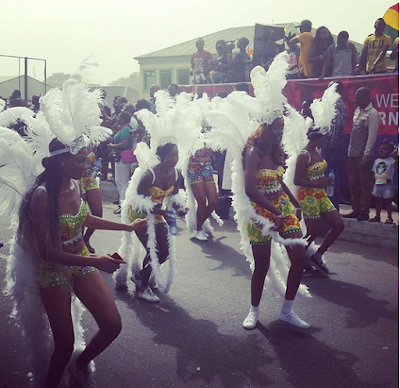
(35, 102)
(319, 51)
(332, 150)
(305, 39)
(242, 87)
(102, 147)
(200, 63)
(122, 141)
(366, 122)
(373, 54)
(173, 90)
(383, 191)
(223, 63)
(293, 58)
(16, 100)
(152, 101)
(239, 62)
(342, 58)
(394, 55)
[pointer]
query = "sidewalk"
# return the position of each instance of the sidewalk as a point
(362, 232)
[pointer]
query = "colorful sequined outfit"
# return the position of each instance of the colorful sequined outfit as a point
(269, 181)
(199, 172)
(52, 274)
(314, 201)
(86, 182)
(157, 196)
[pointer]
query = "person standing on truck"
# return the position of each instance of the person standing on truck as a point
(373, 54)
(366, 122)
(305, 39)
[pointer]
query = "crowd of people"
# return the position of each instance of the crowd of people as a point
(310, 56)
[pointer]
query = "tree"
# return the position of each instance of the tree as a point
(56, 80)
(132, 81)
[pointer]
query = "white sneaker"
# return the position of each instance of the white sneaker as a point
(294, 320)
(81, 378)
(148, 295)
(250, 321)
(200, 236)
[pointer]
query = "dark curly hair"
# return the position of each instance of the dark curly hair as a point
(259, 140)
(164, 150)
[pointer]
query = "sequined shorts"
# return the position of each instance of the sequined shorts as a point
(88, 183)
(314, 202)
(200, 173)
(291, 224)
(52, 274)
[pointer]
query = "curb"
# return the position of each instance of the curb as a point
(361, 232)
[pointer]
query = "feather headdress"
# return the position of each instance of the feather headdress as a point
(73, 112)
(268, 103)
(323, 109)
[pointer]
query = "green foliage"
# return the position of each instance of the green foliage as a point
(131, 81)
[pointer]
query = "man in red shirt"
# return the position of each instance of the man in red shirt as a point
(200, 64)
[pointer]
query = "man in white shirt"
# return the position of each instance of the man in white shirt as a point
(366, 122)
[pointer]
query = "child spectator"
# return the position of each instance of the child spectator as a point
(383, 191)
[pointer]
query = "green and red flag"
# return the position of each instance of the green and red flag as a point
(391, 17)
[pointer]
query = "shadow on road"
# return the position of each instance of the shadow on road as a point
(308, 362)
(364, 310)
(203, 354)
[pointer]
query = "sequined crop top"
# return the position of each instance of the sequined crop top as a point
(71, 224)
(316, 170)
(269, 181)
(157, 195)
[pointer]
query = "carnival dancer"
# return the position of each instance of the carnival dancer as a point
(266, 211)
(310, 176)
(153, 191)
(49, 263)
(201, 180)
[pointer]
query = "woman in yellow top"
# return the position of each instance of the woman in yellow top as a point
(314, 202)
(158, 183)
(271, 199)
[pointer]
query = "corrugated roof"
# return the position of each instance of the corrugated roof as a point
(189, 47)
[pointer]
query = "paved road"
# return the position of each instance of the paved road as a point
(194, 338)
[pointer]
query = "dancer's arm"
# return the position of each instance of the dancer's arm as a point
(250, 183)
(94, 222)
(300, 176)
(50, 251)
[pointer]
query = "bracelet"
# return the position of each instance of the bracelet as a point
(280, 216)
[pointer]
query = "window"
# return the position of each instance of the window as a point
(149, 79)
(165, 78)
(183, 76)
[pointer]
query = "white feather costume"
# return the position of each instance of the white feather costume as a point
(240, 117)
(295, 137)
(163, 128)
(76, 110)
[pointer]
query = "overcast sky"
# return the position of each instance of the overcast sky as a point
(66, 31)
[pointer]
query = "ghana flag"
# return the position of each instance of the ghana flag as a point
(391, 18)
